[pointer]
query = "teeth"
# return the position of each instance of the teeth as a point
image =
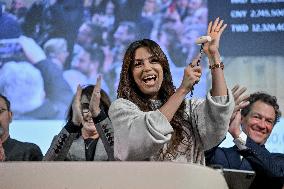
(150, 77)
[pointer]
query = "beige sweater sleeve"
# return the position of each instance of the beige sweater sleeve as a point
(137, 135)
(211, 117)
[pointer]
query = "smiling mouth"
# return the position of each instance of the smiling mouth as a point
(258, 132)
(149, 79)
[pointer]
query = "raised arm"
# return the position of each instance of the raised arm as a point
(215, 30)
(58, 92)
(192, 74)
(62, 142)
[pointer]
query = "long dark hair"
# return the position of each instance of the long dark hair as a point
(128, 89)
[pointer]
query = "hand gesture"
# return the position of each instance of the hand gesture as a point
(235, 125)
(215, 31)
(77, 117)
(96, 98)
(240, 99)
(2, 152)
(240, 102)
(192, 74)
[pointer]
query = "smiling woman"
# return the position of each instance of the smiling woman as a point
(149, 82)
(153, 121)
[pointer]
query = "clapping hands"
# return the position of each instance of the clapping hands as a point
(94, 104)
(240, 102)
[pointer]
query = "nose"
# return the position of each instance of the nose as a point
(262, 124)
(89, 115)
(147, 65)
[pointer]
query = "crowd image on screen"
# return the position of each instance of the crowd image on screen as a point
(84, 38)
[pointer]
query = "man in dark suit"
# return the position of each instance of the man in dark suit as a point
(11, 149)
(250, 128)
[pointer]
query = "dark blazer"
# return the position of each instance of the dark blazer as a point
(69, 145)
(269, 167)
(21, 151)
(77, 151)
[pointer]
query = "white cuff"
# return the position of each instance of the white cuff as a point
(241, 141)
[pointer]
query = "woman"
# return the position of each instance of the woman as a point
(88, 134)
(153, 121)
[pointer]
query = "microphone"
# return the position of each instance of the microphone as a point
(202, 39)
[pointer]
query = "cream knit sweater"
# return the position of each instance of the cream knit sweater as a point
(142, 135)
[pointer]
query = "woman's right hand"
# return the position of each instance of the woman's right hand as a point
(96, 98)
(192, 74)
(77, 117)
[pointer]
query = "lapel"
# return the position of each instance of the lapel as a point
(235, 160)
(10, 148)
(77, 151)
(233, 157)
(100, 154)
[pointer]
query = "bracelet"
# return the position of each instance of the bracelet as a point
(213, 66)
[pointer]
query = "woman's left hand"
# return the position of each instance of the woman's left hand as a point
(215, 31)
(96, 98)
(192, 74)
(77, 117)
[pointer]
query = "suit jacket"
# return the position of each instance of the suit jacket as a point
(269, 167)
(77, 151)
(69, 145)
(21, 151)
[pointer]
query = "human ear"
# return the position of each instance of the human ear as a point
(10, 116)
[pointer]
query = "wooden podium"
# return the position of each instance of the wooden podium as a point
(108, 175)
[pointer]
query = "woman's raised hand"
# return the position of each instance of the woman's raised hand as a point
(215, 31)
(96, 98)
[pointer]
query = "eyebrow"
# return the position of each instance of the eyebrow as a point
(257, 113)
(141, 59)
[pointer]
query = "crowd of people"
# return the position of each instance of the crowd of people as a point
(149, 119)
(86, 38)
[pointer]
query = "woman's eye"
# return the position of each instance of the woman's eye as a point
(137, 64)
(155, 61)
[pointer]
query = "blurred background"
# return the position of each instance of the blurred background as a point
(84, 38)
